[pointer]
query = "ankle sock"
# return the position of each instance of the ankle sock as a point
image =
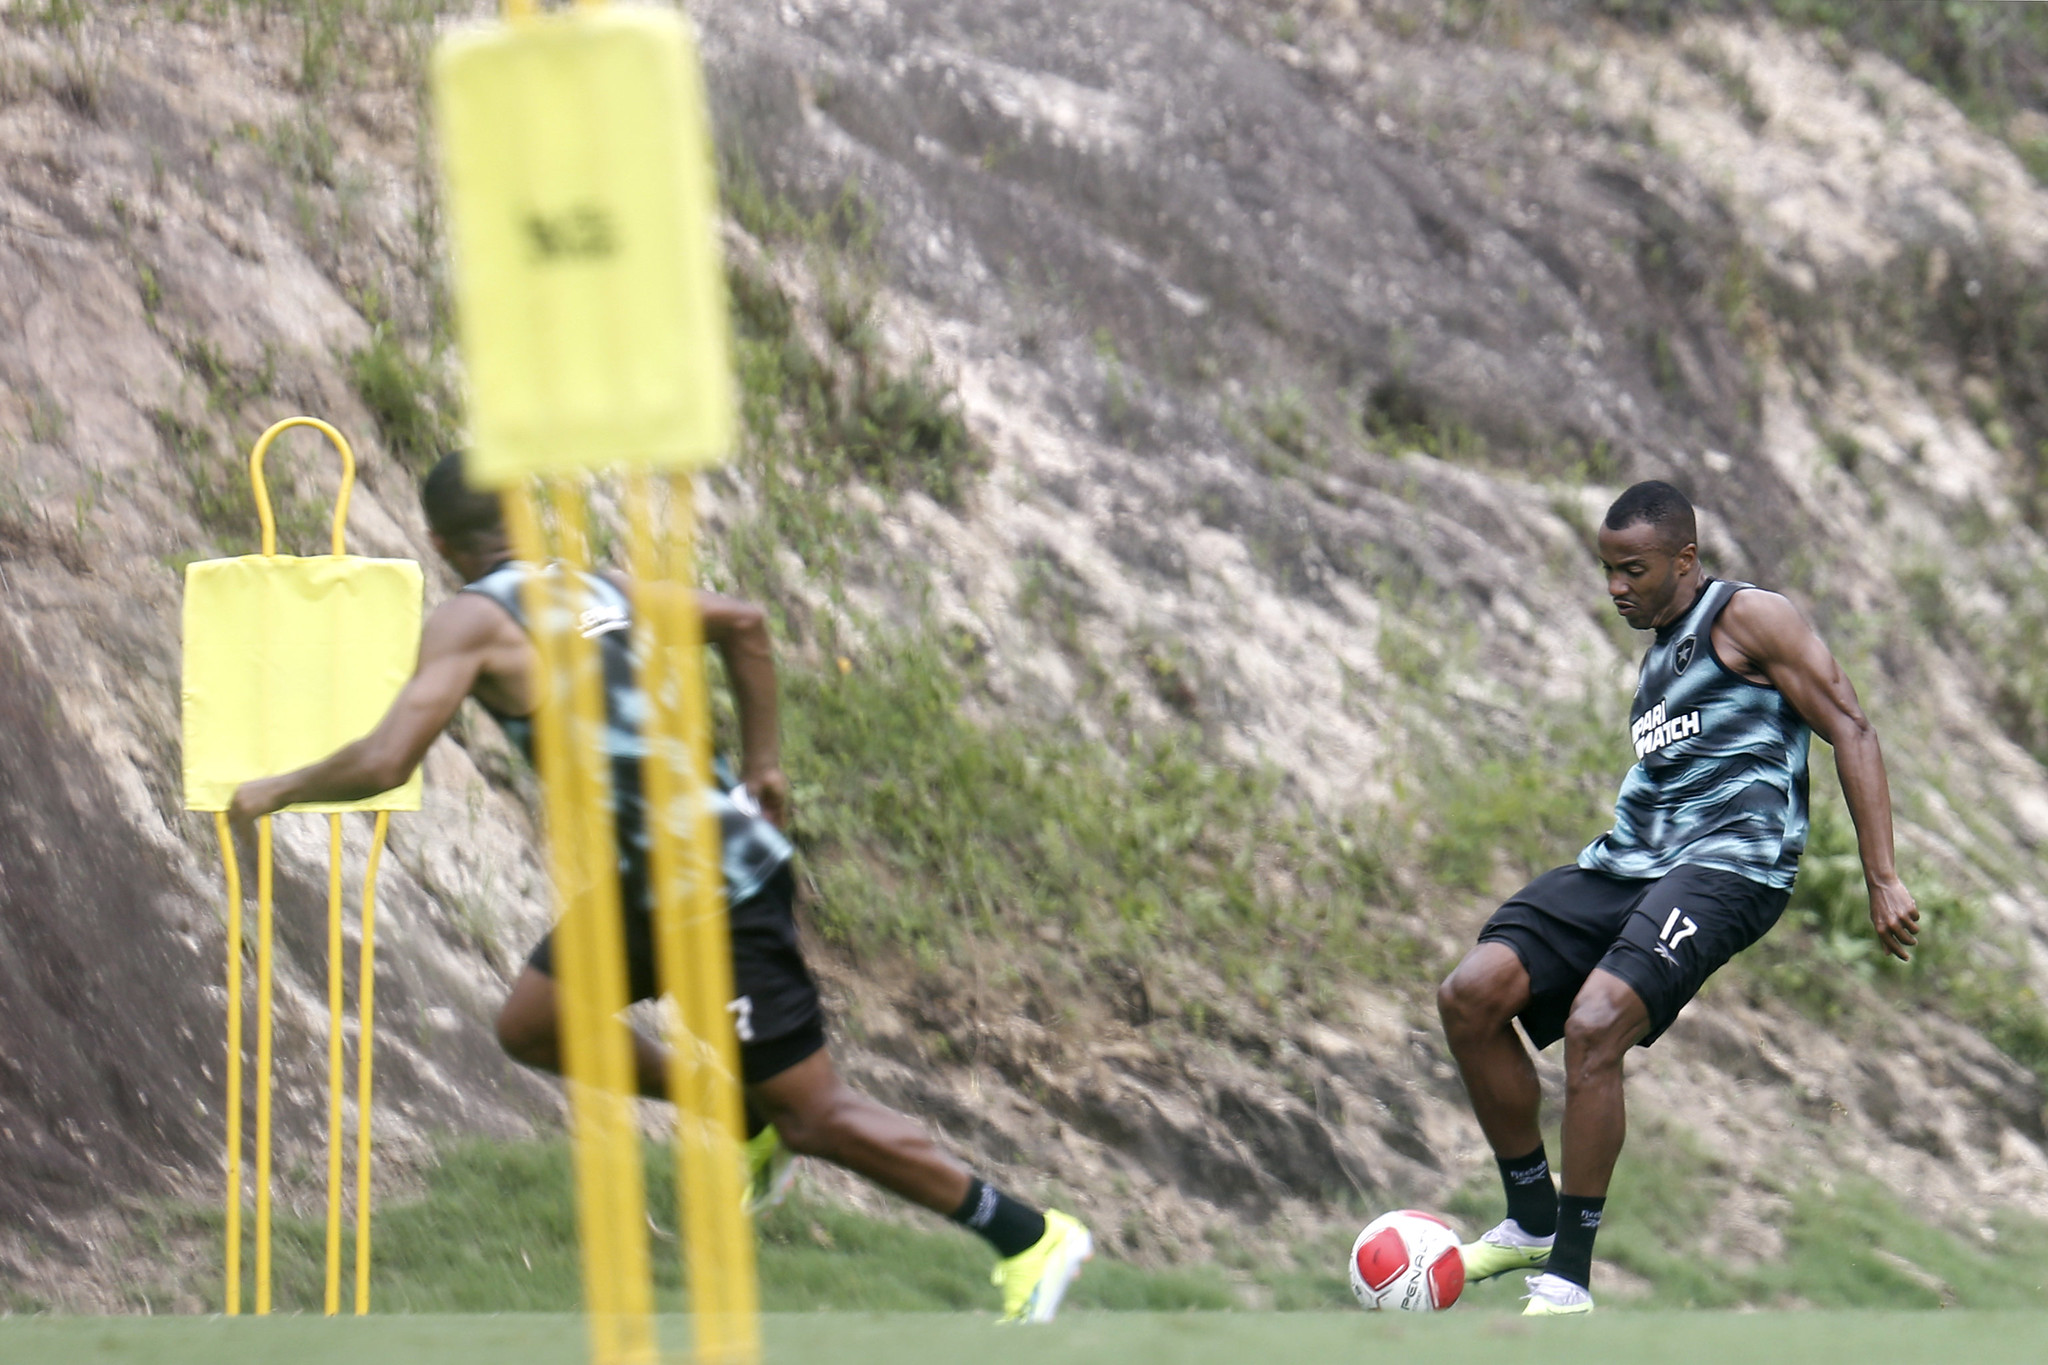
(1532, 1199)
(1578, 1222)
(1004, 1223)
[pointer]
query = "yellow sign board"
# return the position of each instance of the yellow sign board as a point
(288, 659)
(581, 202)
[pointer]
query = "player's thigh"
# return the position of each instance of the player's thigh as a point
(526, 1021)
(798, 1089)
(1560, 925)
(1686, 928)
(776, 1011)
(1608, 1015)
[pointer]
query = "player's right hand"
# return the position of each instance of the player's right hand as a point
(1895, 916)
(771, 789)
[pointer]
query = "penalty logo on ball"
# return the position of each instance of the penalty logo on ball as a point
(1408, 1261)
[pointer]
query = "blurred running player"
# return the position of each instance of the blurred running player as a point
(1707, 835)
(476, 644)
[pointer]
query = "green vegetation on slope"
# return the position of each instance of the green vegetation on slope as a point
(1823, 958)
(924, 823)
(1990, 58)
(928, 823)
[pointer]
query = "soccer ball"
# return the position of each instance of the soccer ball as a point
(1407, 1260)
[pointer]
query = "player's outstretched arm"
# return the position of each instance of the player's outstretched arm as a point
(738, 630)
(454, 647)
(1777, 645)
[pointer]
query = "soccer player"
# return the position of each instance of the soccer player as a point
(476, 644)
(1708, 830)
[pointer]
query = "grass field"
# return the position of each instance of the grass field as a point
(1077, 1339)
(491, 1229)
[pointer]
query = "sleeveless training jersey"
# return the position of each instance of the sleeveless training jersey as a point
(1720, 774)
(754, 849)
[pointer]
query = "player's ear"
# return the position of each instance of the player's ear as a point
(1687, 556)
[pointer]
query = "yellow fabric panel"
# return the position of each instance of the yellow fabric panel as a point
(288, 659)
(581, 201)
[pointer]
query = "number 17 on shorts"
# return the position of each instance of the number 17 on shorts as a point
(1678, 927)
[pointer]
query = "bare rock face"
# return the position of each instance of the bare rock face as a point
(159, 309)
(1307, 353)
(1293, 337)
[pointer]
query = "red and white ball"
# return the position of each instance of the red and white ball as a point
(1407, 1260)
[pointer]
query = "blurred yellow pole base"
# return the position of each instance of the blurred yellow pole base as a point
(591, 309)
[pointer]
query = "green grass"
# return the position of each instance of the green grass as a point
(1076, 1339)
(493, 1231)
(1849, 1246)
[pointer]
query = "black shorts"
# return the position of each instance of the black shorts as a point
(1664, 938)
(775, 1007)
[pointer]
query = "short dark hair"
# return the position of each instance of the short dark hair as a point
(1661, 505)
(458, 513)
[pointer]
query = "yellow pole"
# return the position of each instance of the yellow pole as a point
(568, 735)
(261, 488)
(608, 1087)
(726, 1251)
(334, 1064)
(232, 1299)
(692, 941)
(263, 1041)
(366, 993)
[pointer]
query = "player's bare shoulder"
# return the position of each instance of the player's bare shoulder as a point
(469, 620)
(471, 624)
(1756, 627)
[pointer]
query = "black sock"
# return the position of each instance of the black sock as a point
(1532, 1199)
(1578, 1222)
(1005, 1224)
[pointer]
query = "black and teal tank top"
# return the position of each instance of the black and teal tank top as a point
(753, 848)
(1720, 773)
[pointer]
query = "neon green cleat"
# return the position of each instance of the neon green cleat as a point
(1553, 1296)
(1034, 1280)
(771, 1170)
(1502, 1249)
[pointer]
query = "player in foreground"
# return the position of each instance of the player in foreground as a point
(476, 644)
(1707, 835)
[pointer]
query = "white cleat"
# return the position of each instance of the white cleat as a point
(1553, 1296)
(1504, 1248)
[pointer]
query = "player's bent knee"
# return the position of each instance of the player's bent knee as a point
(1472, 1003)
(816, 1129)
(1454, 1006)
(1598, 1031)
(525, 1039)
(516, 1039)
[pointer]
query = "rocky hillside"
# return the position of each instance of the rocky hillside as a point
(1182, 421)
